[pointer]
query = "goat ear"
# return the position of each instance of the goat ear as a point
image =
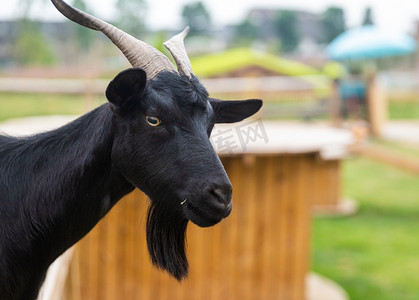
(125, 90)
(234, 111)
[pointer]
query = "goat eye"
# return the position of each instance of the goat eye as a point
(153, 121)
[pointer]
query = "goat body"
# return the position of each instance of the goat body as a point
(55, 186)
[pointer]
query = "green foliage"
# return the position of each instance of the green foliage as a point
(131, 16)
(31, 46)
(286, 26)
(373, 253)
(333, 20)
(368, 17)
(245, 33)
(84, 36)
(197, 17)
(26, 6)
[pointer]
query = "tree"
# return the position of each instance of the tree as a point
(333, 20)
(131, 16)
(245, 33)
(26, 6)
(197, 17)
(31, 47)
(286, 26)
(368, 20)
(84, 35)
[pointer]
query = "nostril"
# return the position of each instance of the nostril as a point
(222, 196)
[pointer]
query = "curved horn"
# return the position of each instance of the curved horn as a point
(138, 53)
(177, 48)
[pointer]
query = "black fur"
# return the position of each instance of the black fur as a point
(166, 237)
(56, 186)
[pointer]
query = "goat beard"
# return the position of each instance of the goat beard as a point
(166, 239)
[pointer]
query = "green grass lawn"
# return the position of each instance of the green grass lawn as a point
(404, 110)
(374, 254)
(14, 105)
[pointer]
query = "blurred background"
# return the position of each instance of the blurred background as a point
(351, 65)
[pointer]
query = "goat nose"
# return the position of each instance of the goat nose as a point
(223, 195)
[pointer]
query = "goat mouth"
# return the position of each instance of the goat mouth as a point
(201, 217)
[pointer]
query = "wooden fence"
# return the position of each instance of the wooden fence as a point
(230, 86)
(298, 94)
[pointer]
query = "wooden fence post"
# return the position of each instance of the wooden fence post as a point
(335, 105)
(377, 106)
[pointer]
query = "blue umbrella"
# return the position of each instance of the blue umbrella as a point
(369, 42)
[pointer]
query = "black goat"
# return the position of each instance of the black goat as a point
(152, 135)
